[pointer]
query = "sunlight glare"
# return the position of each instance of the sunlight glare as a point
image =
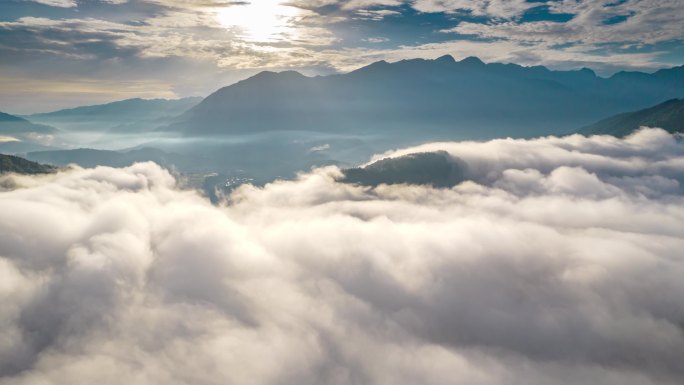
(259, 21)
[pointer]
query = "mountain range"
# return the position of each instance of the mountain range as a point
(428, 99)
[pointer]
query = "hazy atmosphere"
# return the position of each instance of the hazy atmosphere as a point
(330, 192)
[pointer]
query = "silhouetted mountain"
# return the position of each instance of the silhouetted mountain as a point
(9, 163)
(418, 97)
(128, 115)
(668, 115)
(437, 169)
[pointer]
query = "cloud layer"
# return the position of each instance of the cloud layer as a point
(559, 263)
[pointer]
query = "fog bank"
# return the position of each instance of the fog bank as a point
(558, 262)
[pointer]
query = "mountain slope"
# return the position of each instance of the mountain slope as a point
(11, 125)
(10, 118)
(126, 115)
(415, 97)
(668, 115)
(9, 163)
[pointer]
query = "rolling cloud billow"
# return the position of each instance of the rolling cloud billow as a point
(556, 261)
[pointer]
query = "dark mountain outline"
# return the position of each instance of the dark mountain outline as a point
(270, 101)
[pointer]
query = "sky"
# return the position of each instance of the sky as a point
(61, 53)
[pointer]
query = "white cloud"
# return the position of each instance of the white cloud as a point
(562, 264)
(375, 14)
(57, 3)
(498, 51)
(376, 40)
(644, 22)
(505, 9)
(173, 35)
(358, 4)
(320, 148)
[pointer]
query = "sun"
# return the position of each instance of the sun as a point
(259, 20)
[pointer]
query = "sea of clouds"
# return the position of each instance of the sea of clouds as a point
(559, 262)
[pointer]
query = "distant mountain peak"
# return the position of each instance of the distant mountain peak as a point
(270, 74)
(446, 59)
(472, 61)
(378, 65)
(588, 71)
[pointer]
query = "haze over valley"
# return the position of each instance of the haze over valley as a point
(273, 125)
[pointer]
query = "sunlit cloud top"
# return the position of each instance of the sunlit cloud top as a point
(191, 47)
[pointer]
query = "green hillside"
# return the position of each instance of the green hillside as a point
(10, 163)
(668, 115)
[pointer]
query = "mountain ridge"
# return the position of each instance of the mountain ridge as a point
(99, 108)
(123, 116)
(467, 96)
(16, 125)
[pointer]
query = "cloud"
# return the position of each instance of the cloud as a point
(57, 3)
(320, 148)
(504, 9)
(357, 4)
(497, 51)
(375, 14)
(558, 262)
(376, 40)
(594, 24)
(4, 139)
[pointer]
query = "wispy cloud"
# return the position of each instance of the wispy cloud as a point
(58, 3)
(504, 9)
(641, 23)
